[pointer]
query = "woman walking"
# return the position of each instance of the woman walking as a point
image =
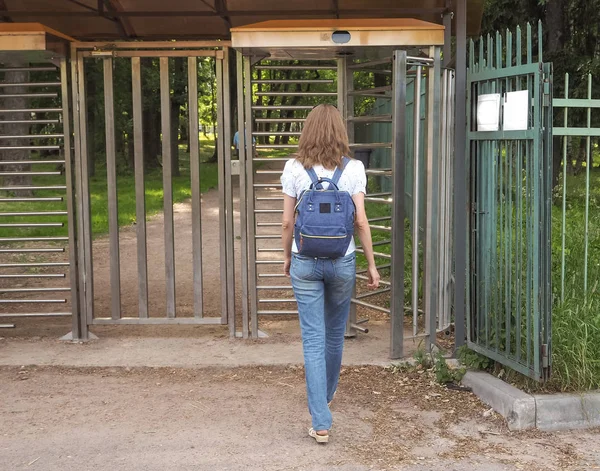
(323, 189)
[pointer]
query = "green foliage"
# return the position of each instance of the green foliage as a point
(443, 373)
(438, 364)
(472, 359)
(423, 359)
(571, 29)
(576, 345)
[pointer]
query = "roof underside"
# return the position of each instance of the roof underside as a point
(208, 19)
(333, 38)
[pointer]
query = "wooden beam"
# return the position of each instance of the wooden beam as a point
(114, 6)
(221, 6)
(5, 18)
(82, 5)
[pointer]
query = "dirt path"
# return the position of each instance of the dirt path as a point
(281, 329)
(255, 419)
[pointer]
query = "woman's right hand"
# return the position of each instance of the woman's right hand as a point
(374, 277)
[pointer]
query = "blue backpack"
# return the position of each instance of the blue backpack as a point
(325, 218)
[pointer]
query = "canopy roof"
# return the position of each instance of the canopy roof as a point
(332, 38)
(209, 19)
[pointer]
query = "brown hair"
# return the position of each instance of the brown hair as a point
(324, 139)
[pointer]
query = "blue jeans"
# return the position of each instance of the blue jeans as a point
(323, 290)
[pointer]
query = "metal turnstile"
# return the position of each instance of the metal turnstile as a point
(398, 116)
(37, 251)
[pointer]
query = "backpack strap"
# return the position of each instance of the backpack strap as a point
(338, 171)
(314, 178)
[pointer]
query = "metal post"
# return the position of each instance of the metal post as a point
(398, 163)
(460, 174)
(345, 88)
(243, 131)
(111, 173)
(84, 202)
(165, 113)
(431, 285)
(416, 198)
(78, 324)
(447, 52)
(140, 189)
(251, 222)
(195, 181)
(221, 188)
(229, 238)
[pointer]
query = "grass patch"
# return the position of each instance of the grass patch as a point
(125, 195)
(576, 309)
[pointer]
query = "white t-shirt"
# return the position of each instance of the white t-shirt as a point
(295, 180)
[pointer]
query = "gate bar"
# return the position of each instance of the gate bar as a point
(29, 121)
(242, 131)
(250, 225)
(30, 84)
(432, 243)
(140, 186)
(229, 227)
(221, 188)
(416, 198)
(86, 277)
(165, 113)
(37, 314)
(296, 67)
(30, 147)
(32, 301)
(279, 120)
(111, 174)
(33, 136)
(32, 265)
(398, 165)
(32, 250)
(30, 95)
(28, 69)
(46, 275)
(39, 213)
(32, 162)
(33, 110)
(34, 224)
(33, 174)
(195, 181)
(78, 328)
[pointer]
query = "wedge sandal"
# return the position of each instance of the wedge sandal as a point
(319, 438)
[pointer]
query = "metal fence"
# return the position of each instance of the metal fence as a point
(158, 275)
(37, 247)
(576, 194)
(510, 185)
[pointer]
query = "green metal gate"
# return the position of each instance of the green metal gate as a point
(509, 142)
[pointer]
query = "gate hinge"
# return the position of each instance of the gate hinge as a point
(546, 93)
(544, 355)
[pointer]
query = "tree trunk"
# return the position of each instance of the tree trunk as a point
(91, 114)
(151, 123)
(16, 129)
(185, 130)
(131, 152)
(556, 27)
(177, 102)
(175, 110)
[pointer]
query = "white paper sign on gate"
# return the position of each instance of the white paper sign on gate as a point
(488, 112)
(516, 111)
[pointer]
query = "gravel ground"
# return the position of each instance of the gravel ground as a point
(54, 418)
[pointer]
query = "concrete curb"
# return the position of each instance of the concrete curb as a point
(517, 407)
(522, 411)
